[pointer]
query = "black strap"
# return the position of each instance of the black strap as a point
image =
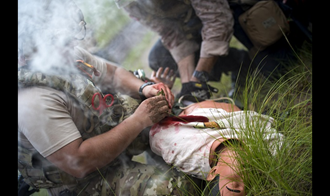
(23, 187)
(142, 87)
(213, 187)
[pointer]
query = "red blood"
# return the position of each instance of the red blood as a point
(155, 129)
(175, 120)
(183, 119)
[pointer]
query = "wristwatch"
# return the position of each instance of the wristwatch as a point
(142, 87)
(203, 76)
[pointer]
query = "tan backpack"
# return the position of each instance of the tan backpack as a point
(263, 23)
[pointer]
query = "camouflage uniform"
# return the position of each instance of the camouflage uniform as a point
(132, 178)
(122, 176)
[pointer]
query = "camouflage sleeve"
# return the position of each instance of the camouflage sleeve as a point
(217, 28)
(170, 32)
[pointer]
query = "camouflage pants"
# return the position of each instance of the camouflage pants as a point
(133, 179)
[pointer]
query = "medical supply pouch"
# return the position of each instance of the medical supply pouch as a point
(263, 23)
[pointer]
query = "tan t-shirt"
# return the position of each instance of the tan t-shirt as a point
(47, 118)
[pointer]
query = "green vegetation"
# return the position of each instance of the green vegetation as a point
(103, 18)
(289, 101)
(137, 58)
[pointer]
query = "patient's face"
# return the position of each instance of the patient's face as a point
(231, 184)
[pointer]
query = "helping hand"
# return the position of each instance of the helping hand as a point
(166, 76)
(152, 110)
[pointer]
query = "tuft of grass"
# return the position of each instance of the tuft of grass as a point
(289, 101)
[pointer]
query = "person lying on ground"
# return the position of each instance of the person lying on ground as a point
(197, 141)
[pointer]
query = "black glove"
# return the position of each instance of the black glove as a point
(23, 188)
(198, 89)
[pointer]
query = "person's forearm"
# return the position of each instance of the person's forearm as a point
(205, 64)
(80, 158)
(125, 82)
(186, 68)
(101, 150)
(120, 80)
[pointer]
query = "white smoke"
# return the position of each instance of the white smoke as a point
(46, 30)
(45, 34)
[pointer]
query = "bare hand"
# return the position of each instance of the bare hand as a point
(152, 110)
(166, 76)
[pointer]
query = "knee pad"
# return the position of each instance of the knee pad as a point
(159, 56)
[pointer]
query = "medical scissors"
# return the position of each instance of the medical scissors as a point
(102, 102)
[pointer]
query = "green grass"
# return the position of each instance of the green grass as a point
(289, 101)
(41, 192)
